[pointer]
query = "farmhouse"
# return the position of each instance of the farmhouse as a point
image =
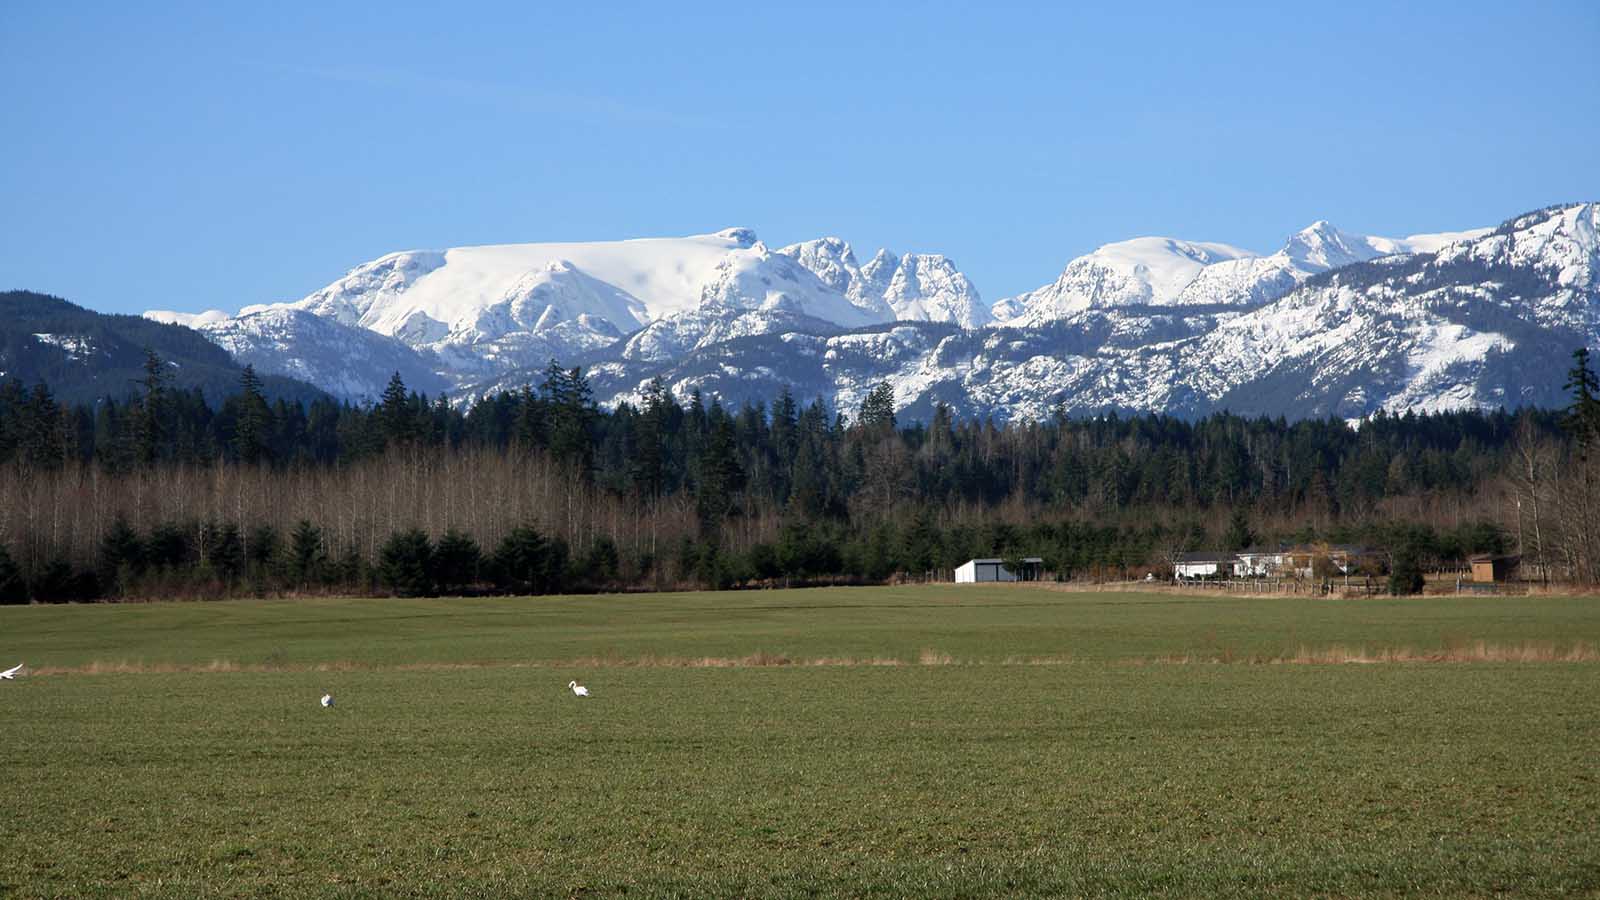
(1205, 564)
(1301, 561)
(1257, 562)
(975, 570)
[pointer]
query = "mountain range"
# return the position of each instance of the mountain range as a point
(1331, 323)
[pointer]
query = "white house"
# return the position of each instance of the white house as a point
(1209, 564)
(975, 570)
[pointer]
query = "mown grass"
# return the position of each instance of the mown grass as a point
(966, 623)
(932, 778)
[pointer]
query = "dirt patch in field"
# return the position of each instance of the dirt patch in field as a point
(753, 660)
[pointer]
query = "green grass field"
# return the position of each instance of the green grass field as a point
(456, 762)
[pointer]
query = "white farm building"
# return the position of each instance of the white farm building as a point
(975, 570)
(1210, 564)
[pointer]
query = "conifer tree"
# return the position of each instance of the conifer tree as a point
(877, 409)
(1239, 536)
(254, 419)
(121, 555)
(405, 563)
(649, 460)
(223, 550)
(570, 403)
(1583, 414)
(524, 561)
(529, 428)
(720, 476)
(152, 429)
(456, 561)
(785, 421)
(394, 412)
(308, 556)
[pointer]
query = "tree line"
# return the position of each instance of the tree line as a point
(167, 494)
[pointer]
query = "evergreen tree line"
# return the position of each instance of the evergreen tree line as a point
(820, 457)
(660, 493)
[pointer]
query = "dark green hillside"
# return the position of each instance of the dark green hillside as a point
(86, 355)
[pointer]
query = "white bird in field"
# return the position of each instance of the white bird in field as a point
(578, 689)
(327, 700)
(11, 673)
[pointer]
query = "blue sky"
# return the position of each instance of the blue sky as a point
(215, 155)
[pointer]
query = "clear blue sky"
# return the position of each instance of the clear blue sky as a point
(214, 155)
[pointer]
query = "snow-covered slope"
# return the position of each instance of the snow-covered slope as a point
(344, 360)
(1151, 271)
(188, 320)
(648, 278)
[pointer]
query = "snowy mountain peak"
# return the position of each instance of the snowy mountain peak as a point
(1147, 271)
(742, 237)
(376, 283)
(1164, 264)
(916, 286)
(927, 287)
(1158, 271)
(1562, 241)
(879, 271)
(1320, 247)
(833, 261)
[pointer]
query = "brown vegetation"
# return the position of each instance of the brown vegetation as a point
(1476, 651)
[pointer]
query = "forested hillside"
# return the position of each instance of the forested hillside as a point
(85, 355)
(538, 489)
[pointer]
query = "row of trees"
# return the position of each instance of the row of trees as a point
(392, 496)
(208, 559)
(821, 458)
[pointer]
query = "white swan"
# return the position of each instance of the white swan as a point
(11, 673)
(578, 689)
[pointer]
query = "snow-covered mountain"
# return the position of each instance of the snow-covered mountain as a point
(344, 360)
(833, 261)
(1332, 323)
(1151, 271)
(476, 312)
(919, 287)
(1485, 320)
(1168, 271)
(1478, 319)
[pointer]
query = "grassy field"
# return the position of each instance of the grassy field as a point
(197, 761)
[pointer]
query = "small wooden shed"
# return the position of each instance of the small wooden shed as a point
(1488, 568)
